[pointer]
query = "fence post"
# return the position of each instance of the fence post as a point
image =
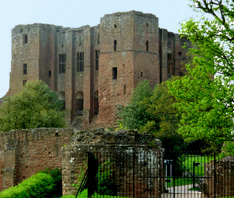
(173, 175)
(214, 175)
(134, 171)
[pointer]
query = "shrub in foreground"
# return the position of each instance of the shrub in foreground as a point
(39, 185)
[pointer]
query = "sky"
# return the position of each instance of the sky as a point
(76, 13)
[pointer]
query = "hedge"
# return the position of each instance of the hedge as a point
(39, 185)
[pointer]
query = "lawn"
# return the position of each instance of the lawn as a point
(188, 169)
(84, 195)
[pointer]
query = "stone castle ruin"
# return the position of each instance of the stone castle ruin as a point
(95, 69)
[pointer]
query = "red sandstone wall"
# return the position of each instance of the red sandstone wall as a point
(24, 54)
(118, 147)
(25, 152)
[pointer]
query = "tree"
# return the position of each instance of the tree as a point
(162, 115)
(35, 106)
(204, 97)
(153, 111)
(134, 115)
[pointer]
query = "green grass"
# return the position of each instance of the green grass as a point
(187, 163)
(84, 195)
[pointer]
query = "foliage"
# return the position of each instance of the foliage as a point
(38, 185)
(106, 183)
(104, 178)
(134, 115)
(80, 176)
(227, 149)
(56, 174)
(205, 102)
(35, 106)
(157, 114)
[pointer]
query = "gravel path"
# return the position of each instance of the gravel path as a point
(182, 192)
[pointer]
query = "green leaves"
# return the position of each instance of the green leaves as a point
(35, 106)
(204, 97)
(135, 114)
(38, 185)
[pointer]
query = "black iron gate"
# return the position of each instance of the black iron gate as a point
(143, 172)
(185, 174)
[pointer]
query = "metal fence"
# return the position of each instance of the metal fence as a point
(146, 173)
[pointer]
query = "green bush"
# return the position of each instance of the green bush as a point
(38, 185)
(56, 174)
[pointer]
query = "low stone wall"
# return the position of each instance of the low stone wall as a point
(25, 152)
(220, 178)
(137, 165)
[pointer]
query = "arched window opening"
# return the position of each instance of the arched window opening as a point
(62, 99)
(96, 104)
(79, 103)
(147, 46)
(115, 45)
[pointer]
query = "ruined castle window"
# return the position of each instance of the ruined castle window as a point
(114, 73)
(147, 27)
(115, 45)
(147, 46)
(49, 74)
(80, 40)
(115, 26)
(97, 59)
(98, 38)
(25, 39)
(96, 104)
(141, 74)
(62, 63)
(80, 61)
(79, 103)
(180, 54)
(25, 71)
(24, 82)
(124, 91)
(62, 99)
(169, 62)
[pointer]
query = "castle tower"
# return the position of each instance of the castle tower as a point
(129, 53)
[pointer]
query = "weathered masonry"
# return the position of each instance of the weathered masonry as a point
(95, 69)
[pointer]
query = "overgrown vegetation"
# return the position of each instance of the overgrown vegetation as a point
(153, 111)
(104, 179)
(204, 96)
(34, 107)
(47, 183)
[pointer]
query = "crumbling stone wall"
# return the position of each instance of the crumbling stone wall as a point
(138, 167)
(25, 152)
(219, 181)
